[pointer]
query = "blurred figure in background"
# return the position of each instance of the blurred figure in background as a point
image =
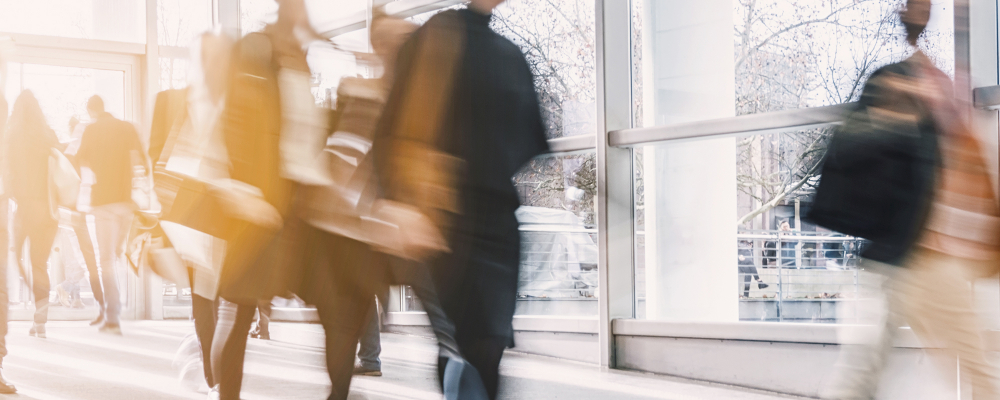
(462, 118)
(5, 386)
(110, 148)
(30, 142)
(271, 147)
(747, 267)
(186, 139)
(343, 272)
(923, 197)
(78, 220)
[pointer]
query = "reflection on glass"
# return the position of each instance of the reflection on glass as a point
(779, 55)
(255, 14)
(180, 21)
(558, 273)
(716, 212)
(173, 73)
(116, 20)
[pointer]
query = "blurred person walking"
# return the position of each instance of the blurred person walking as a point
(30, 143)
(187, 143)
(906, 172)
(78, 220)
(462, 118)
(272, 147)
(5, 386)
(110, 148)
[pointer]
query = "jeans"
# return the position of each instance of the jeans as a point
(35, 225)
(79, 221)
(112, 223)
(371, 343)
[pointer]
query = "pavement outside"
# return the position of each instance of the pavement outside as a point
(77, 362)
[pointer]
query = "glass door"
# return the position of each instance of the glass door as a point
(62, 87)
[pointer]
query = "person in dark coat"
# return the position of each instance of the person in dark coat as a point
(30, 142)
(461, 120)
(261, 249)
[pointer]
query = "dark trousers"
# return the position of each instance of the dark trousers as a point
(79, 221)
(37, 226)
(748, 272)
(345, 274)
(371, 342)
(229, 347)
(206, 315)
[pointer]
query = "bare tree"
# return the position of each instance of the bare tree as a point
(800, 54)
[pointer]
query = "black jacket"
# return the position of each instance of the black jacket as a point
(879, 173)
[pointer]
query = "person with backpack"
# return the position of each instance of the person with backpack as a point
(905, 172)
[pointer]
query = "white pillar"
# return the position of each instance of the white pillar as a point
(690, 186)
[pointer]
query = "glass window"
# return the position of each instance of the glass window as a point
(558, 39)
(719, 229)
(116, 20)
(255, 14)
(558, 273)
(62, 92)
(777, 55)
(180, 21)
(173, 73)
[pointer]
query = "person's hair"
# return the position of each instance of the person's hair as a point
(914, 17)
(27, 114)
(95, 103)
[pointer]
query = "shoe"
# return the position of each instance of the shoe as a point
(98, 321)
(5, 386)
(361, 370)
(256, 333)
(37, 330)
(213, 393)
(762, 285)
(113, 329)
(63, 296)
(78, 304)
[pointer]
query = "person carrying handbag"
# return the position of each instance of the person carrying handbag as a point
(906, 172)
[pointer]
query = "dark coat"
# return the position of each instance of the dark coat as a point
(879, 174)
(256, 257)
(493, 125)
(168, 108)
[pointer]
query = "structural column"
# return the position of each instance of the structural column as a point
(690, 187)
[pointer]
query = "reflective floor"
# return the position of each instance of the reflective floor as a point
(76, 362)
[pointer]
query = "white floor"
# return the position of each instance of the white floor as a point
(76, 362)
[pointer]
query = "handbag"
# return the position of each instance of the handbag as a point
(187, 201)
(64, 183)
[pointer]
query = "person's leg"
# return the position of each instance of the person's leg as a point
(263, 328)
(87, 249)
(41, 235)
(112, 222)
(485, 353)
(371, 345)
(5, 386)
(860, 365)
(746, 281)
(229, 348)
(342, 322)
(943, 316)
(205, 312)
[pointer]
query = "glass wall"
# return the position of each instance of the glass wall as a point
(179, 22)
(719, 222)
(115, 20)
